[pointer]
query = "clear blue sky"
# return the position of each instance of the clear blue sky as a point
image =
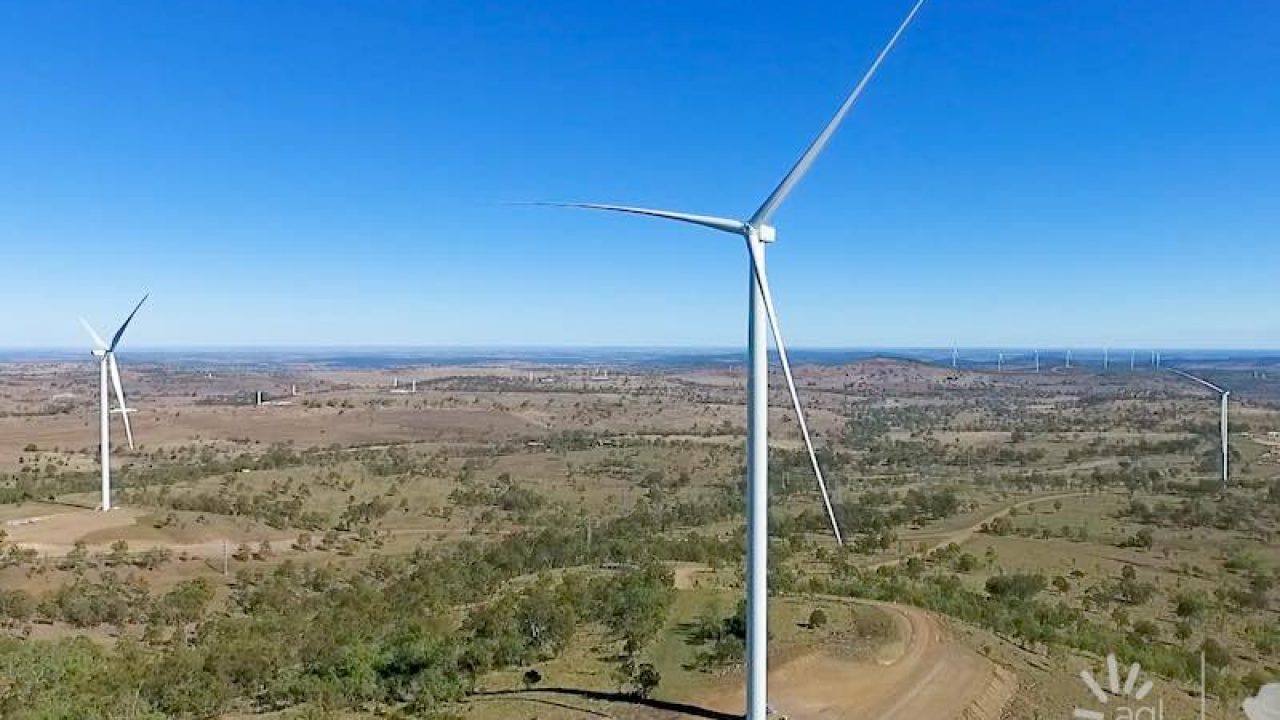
(1020, 173)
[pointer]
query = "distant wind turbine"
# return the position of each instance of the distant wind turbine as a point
(757, 234)
(107, 366)
(1226, 454)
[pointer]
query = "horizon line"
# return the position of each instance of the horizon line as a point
(517, 347)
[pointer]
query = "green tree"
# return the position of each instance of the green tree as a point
(634, 604)
(1190, 605)
(1146, 630)
(1216, 654)
(647, 680)
(1015, 586)
(817, 618)
(186, 602)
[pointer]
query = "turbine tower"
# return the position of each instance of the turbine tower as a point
(1226, 447)
(1037, 361)
(1068, 359)
(955, 358)
(108, 367)
(1106, 359)
(757, 234)
(1226, 394)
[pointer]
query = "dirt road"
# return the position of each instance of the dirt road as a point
(937, 541)
(925, 674)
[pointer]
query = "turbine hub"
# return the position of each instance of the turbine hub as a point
(765, 233)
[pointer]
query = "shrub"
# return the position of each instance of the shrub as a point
(817, 618)
(1015, 586)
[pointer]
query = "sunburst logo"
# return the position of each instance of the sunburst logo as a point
(1121, 700)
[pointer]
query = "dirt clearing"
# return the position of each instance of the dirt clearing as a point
(927, 674)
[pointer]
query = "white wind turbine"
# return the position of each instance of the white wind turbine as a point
(1226, 448)
(757, 233)
(107, 365)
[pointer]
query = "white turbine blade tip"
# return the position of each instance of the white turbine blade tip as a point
(801, 168)
(115, 339)
(97, 339)
(715, 223)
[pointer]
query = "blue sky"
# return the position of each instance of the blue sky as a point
(1084, 173)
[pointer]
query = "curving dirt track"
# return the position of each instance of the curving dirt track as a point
(926, 674)
(937, 541)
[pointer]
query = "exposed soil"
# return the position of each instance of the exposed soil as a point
(926, 674)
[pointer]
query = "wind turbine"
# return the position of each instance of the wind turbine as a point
(1226, 453)
(757, 233)
(1037, 360)
(106, 354)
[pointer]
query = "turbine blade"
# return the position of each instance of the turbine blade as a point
(802, 165)
(757, 264)
(715, 223)
(1193, 378)
(97, 339)
(124, 410)
(115, 339)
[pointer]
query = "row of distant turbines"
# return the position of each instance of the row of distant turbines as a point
(1155, 364)
(1003, 358)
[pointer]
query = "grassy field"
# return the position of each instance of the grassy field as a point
(1092, 496)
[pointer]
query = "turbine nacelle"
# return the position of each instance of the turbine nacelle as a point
(763, 232)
